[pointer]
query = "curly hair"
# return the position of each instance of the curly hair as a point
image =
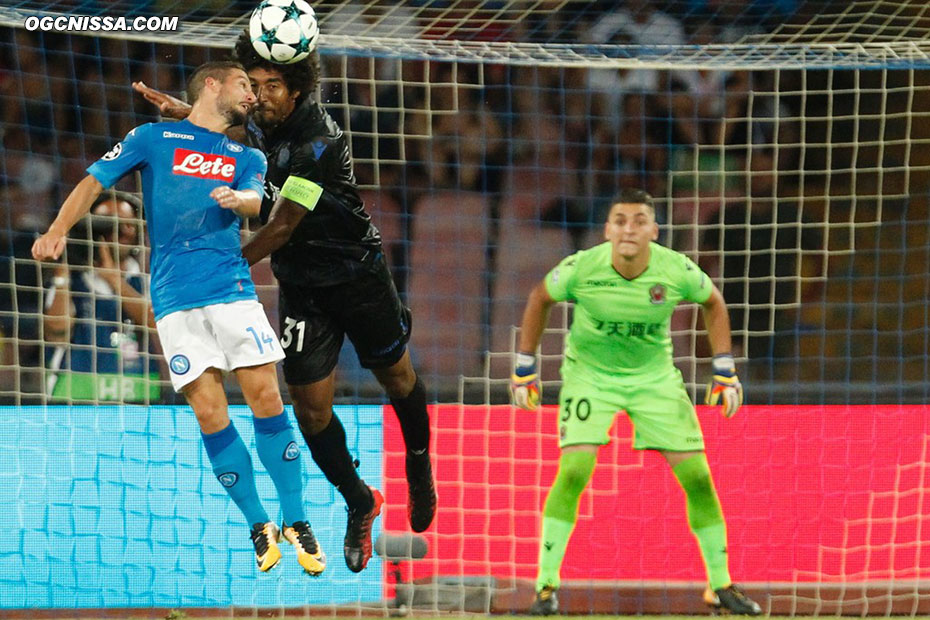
(303, 76)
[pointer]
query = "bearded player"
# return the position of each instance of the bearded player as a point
(334, 283)
(197, 184)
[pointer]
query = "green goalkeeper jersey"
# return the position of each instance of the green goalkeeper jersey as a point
(620, 327)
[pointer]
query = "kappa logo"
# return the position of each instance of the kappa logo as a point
(203, 166)
(179, 136)
(113, 153)
(228, 479)
(657, 295)
(291, 452)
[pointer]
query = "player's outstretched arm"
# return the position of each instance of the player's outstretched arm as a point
(170, 107)
(525, 388)
(724, 387)
(50, 245)
(284, 218)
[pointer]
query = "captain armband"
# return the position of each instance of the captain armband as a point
(303, 192)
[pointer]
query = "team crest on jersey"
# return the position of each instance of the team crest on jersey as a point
(113, 153)
(232, 146)
(657, 294)
(319, 145)
(203, 165)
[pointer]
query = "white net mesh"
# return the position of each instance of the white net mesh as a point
(786, 144)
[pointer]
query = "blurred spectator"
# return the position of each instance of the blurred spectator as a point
(639, 22)
(96, 311)
(466, 138)
(553, 22)
(371, 19)
(366, 109)
(757, 116)
(635, 150)
(29, 179)
(762, 251)
(698, 96)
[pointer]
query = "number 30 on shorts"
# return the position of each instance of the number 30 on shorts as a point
(288, 336)
(582, 409)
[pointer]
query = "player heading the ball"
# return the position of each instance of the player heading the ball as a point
(334, 283)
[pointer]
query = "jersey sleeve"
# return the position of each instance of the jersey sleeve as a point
(696, 285)
(253, 173)
(560, 280)
(124, 157)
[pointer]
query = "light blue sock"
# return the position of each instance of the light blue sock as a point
(233, 468)
(280, 454)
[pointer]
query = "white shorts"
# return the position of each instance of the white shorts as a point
(224, 336)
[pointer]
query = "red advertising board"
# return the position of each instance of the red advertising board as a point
(810, 493)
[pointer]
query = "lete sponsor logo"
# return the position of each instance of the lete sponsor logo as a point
(204, 166)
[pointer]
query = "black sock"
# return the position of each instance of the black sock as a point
(331, 454)
(413, 418)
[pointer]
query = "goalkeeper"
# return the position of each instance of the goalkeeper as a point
(618, 355)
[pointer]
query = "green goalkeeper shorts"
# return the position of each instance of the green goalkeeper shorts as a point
(663, 416)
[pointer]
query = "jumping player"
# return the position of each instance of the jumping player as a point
(334, 282)
(197, 183)
(618, 355)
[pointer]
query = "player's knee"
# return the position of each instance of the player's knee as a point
(398, 380)
(266, 399)
(212, 417)
(312, 420)
(573, 479)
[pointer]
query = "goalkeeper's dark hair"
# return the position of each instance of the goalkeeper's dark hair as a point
(218, 70)
(635, 196)
(302, 77)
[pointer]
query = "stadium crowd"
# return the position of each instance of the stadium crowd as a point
(545, 147)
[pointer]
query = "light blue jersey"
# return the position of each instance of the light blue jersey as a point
(196, 249)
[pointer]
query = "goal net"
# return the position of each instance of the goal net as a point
(786, 144)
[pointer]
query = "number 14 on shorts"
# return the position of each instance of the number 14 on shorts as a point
(260, 340)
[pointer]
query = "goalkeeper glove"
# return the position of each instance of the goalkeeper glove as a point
(724, 388)
(525, 389)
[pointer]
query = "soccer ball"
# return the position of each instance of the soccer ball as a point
(283, 31)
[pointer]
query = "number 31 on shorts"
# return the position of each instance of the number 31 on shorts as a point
(288, 336)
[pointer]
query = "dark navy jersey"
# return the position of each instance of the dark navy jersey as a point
(336, 240)
(196, 249)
